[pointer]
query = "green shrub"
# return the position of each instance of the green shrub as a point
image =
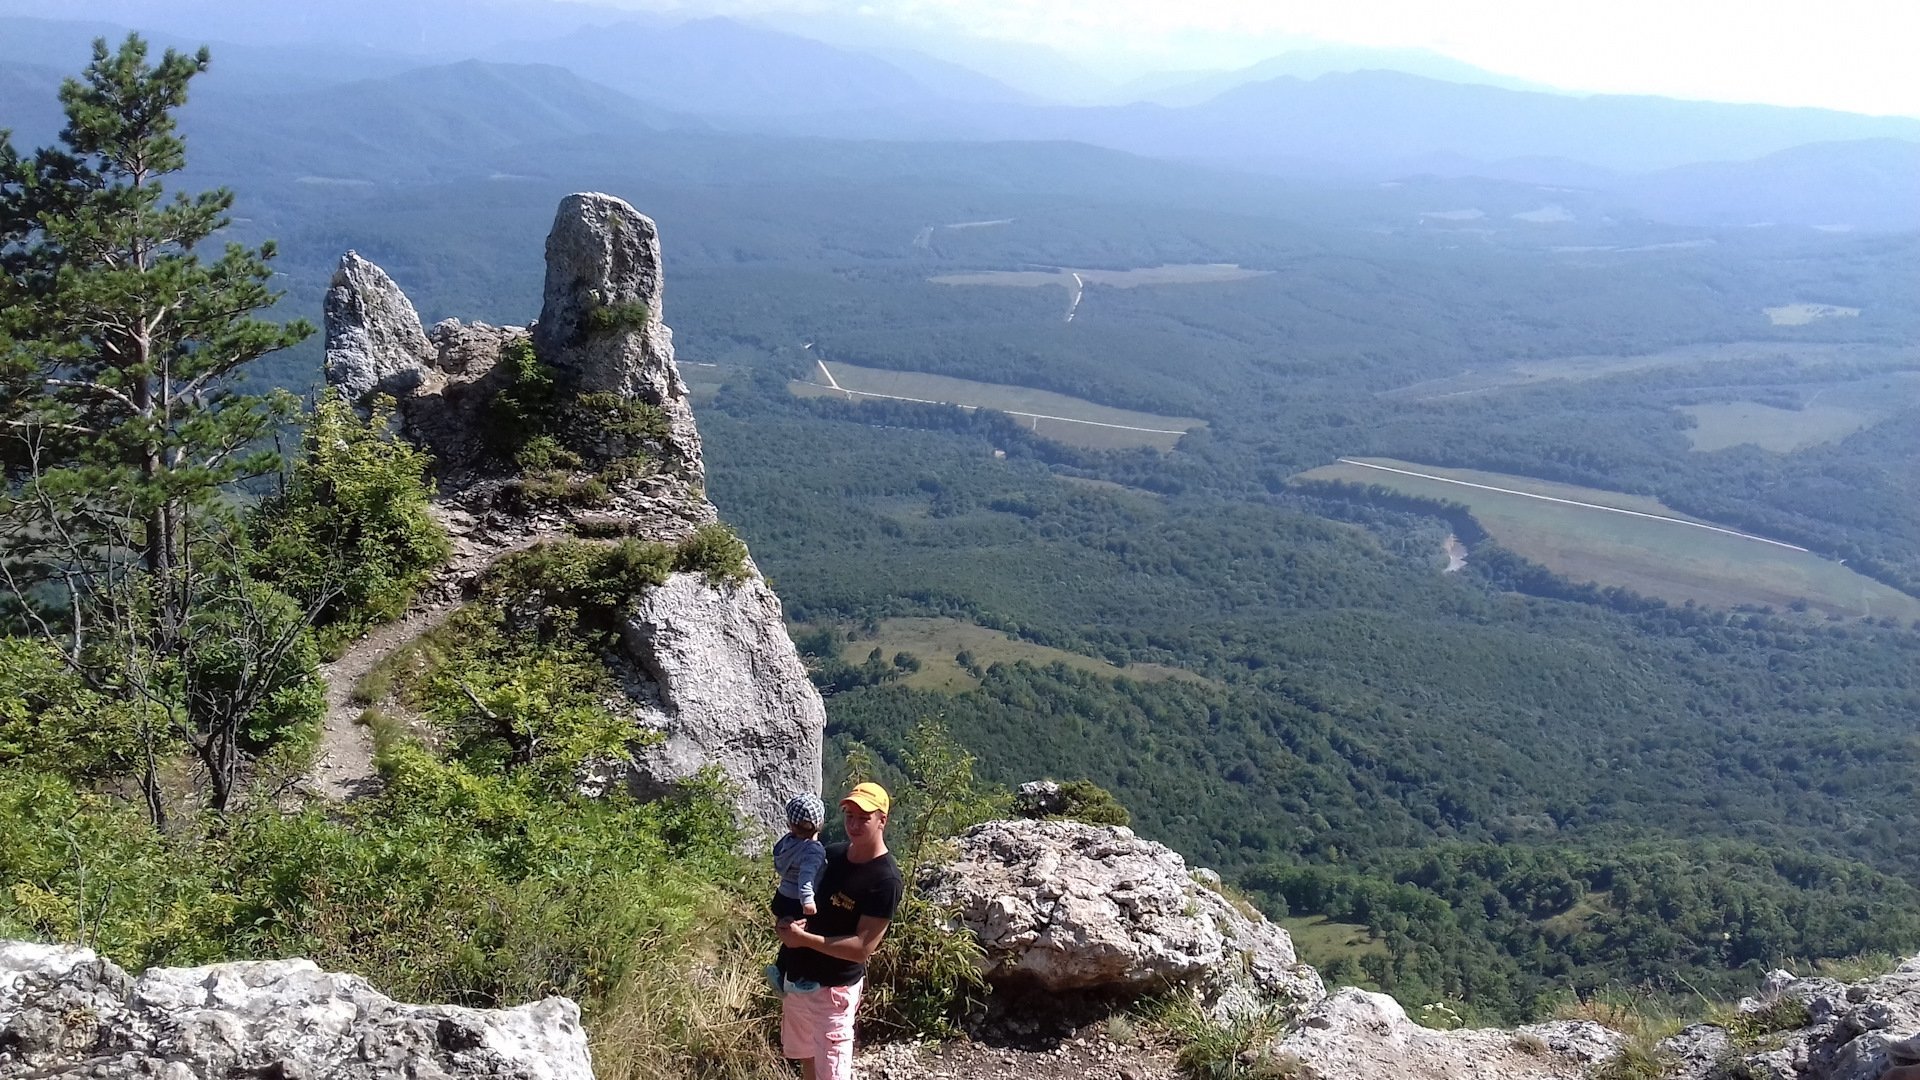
(49, 720)
(714, 551)
(1091, 803)
(1236, 1050)
(352, 526)
(578, 582)
(608, 318)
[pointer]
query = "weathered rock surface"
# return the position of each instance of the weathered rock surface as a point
(600, 316)
(64, 1012)
(1069, 907)
(1357, 1035)
(709, 668)
(374, 339)
(723, 686)
(1809, 1029)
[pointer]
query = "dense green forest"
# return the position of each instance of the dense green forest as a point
(1523, 786)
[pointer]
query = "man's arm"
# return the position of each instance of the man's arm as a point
(857, 946)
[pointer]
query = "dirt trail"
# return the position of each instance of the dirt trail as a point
(343, 763)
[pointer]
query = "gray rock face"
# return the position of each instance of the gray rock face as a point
(600, 314)
(716, 675)
(1067, 906)
(64, 1012)
(374, 339)
(1357, 1035)
(1038, 798)
(1814, 1029)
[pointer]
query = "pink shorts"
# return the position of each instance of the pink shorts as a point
(819, 1025)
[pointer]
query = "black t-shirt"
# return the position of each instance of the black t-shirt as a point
(846, 891)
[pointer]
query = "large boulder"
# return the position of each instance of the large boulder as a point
(600, 319)
(1357, 1035)
(64, 1012)
(1066, 907)
(719, 682)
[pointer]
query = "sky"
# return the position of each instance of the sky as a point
(1856, 55)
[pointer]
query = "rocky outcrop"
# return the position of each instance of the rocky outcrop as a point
(712, 656)
(710, 669)
(1357, 1035)
(1066, 907)
(600, 315)
(1809, 1029)
(64, 1012)
(374, 340)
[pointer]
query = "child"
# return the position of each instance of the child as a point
(797, 857)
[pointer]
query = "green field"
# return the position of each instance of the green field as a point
(937, 641)
(1802, 314)
(1664, 558)
(1828, 411)
(1717, 427)
(1181, 274)
(1053, 416)
(1319, 940)
(1585, 368)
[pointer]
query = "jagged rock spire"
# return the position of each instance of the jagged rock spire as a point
(600, 315)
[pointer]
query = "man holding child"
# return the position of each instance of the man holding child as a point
(856, 896)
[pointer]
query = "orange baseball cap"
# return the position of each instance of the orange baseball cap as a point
(870, 797)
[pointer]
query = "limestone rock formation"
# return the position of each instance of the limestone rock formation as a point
(1357, 1035)
(1069, 907)
(374, 339)
(64, 1012)
(724, 687)
(711, 669)
(1809, 1029)
(600, 316)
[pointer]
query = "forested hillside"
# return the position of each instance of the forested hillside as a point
(1517, 785)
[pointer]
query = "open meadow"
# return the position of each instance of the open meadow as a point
(1827, 412)
(1053, 416)
(937, 641)
(1612, 538)
(1601, 366)
(1178, 274)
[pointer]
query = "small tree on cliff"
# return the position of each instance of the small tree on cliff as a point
(124, 429)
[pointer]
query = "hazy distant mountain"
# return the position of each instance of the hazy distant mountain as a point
(1382, 123)
(1035, 71)
(66, 45)
(1866, 184)
(27, 102)
(952, 81)
(1179, 88)
(430, 123)
(718, 66)
(449, 29)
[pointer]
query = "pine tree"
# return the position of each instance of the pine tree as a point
(120, 357)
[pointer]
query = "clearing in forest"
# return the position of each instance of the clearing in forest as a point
(1053, 416)
(1176, 274)
(1827, 412)
(1320, 940)
(1636, 542)
(1582, 368)
(937, 641)
(1802, 314)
